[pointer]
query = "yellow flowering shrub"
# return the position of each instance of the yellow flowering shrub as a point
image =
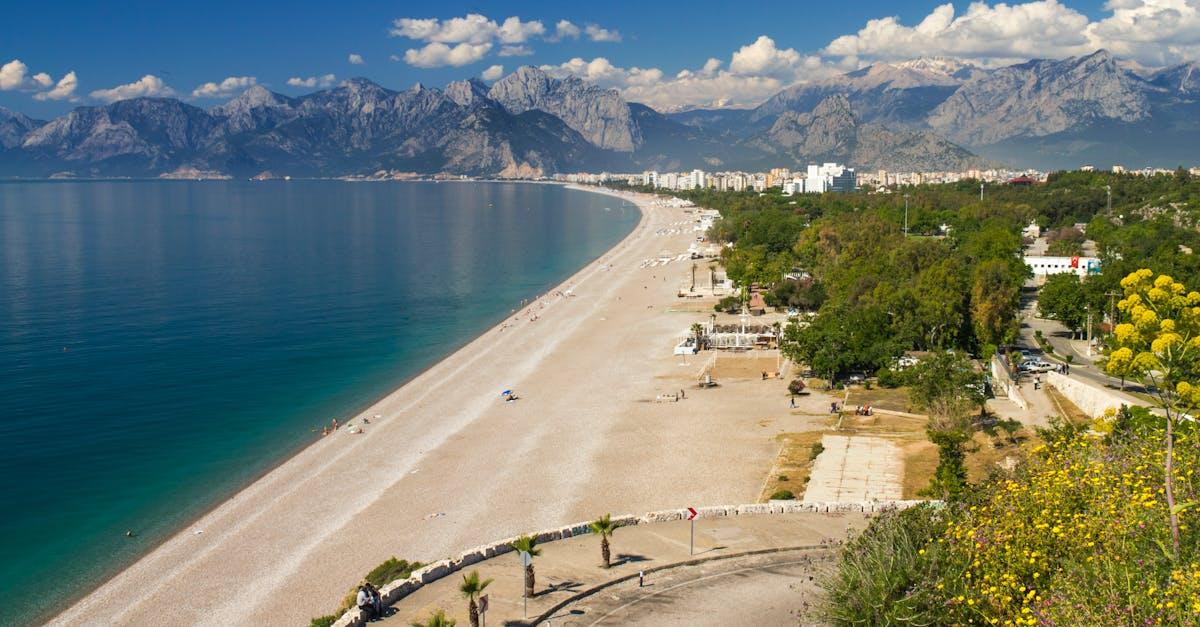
(1078, 536)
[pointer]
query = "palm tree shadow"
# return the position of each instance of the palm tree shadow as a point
(567, 586)
(629, 558)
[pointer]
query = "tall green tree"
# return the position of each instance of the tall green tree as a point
(947, 387)
(995, 297)
(1062, 298)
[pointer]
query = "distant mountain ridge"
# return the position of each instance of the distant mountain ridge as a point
(922, 114)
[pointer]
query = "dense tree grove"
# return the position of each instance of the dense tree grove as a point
(955, 281)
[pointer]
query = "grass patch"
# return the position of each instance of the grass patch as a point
(891, 399)
(794, 464)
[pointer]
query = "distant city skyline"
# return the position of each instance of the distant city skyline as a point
(665, 56)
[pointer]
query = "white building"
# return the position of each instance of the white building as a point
(1044, 266)
(650, 177)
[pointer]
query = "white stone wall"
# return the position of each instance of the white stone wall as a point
(1091, 399)
(397, 590)
(1003, 383)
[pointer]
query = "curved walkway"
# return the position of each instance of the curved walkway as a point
(570, 579)
(765, 589)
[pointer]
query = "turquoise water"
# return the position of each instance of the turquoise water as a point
(163, 343)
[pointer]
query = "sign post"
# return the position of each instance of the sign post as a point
(483, 606)
(526, 560)
(692, 538)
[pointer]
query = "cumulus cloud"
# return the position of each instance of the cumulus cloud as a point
(595, 33)
(763, 58)
(463, 40)
(471, 29)
(355, 59)
(564, 29)
(225, 88)
(42, 79)
(12, 75)
(63, 90)
(326, 80)
(148, 86)
(515, 51)
(438, 54)
(1152, 32)
(492, 73)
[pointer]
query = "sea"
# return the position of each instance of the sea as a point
(164, 343)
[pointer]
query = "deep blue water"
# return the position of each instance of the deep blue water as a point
(163, 343)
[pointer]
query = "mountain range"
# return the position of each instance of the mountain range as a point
(925, 114)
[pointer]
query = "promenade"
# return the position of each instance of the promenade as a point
(573, 589)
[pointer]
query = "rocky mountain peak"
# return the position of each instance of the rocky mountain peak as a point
(468, 93)
(601, 115)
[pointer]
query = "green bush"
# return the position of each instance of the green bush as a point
(390, 571)
(782, 495)
(783, 477)
(729, 304)
(323, 621)
(817, 449)
(889, 378)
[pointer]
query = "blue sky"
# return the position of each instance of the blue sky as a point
(667, 54)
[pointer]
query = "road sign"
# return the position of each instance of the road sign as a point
(483, 601)
(692, 536)
(526, 558)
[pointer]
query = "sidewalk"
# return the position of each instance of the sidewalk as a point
(567, 567)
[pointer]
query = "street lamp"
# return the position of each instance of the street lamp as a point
(981, 191)
(906, 215)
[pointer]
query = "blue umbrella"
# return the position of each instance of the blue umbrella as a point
(506, 392)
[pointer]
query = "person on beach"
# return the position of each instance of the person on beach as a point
(334, 424)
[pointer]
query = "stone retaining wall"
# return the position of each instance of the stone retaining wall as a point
(1003, 383)
(395, 591)
(1092, 400)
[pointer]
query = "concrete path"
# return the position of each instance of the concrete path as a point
(568, 567)
(856, 468)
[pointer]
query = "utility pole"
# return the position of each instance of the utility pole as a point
(981, 191)
(906, 215)
(1108, 204)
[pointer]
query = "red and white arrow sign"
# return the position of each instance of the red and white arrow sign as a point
(692, 513)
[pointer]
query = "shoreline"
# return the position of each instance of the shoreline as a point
(362, 409)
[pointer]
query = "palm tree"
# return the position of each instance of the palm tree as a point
(698, 332)
(527, 544)
(437, 619)
(471, 587)
(605, 527)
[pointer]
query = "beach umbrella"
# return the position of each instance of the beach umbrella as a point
(506, 393)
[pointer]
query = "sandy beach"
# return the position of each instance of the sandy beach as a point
(449, 464)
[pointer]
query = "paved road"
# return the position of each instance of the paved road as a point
(776, 589)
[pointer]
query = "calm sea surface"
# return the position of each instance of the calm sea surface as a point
(163, 343)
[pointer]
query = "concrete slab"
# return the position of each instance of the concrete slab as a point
(856, 468)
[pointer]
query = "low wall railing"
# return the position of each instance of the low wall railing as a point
(396, 591)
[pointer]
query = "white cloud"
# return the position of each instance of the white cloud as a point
(1152, 32)
(225, 88)
(515, 51)
(471, 29)
(12, 75)
(355, 59)
(438, 54)
(148, 86)
(492, 73)
(326, 80)
(63, 90)
(595, 33)
(393, 57)
(564, 29)
(763, 58)
(42, 79)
